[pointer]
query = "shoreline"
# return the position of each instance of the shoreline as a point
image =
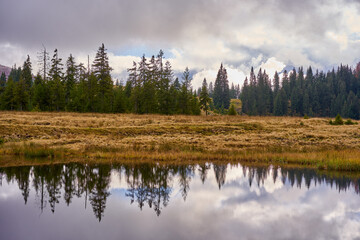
(93, 137)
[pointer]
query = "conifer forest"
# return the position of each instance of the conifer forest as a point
(152, 87)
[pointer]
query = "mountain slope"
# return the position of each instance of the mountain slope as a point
(5, 69)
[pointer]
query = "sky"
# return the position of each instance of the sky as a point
(199, 34)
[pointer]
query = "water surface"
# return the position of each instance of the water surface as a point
(151, 201)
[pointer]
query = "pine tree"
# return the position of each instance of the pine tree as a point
(211, 89)
(286, 84)
(119, 99)
(26, 73)
(232, 111)
(79, 93)
(2, 82)
(280, 103)
(57, 96)
(101, 70)
(185, 95)
(232, 91)
(245, 97)
(21, 97)
(92, 93)
(221, 89)
(15, 73)
(276, 83)
(133, 88)
(7, 97)
(252, 94)
(164, 89)
(204, 98)
(70, 80)
(148, 76)
(195, 105)
(41, 94)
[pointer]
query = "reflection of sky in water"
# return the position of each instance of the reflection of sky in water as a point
(237, 210)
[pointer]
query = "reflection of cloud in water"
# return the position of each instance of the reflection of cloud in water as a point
(201, 202)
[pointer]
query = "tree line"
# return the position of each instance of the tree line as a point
(152, 87)
(320, 94)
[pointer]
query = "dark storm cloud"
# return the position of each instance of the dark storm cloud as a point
(83, 23)
(291, 31)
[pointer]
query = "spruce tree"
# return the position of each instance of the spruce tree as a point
(26, 73)
(57, 93)
(204, 97)
(232, 111)
(101, 70)
(70, 80)
(195, 105)
(21, 95)
(245, 95)
(41, 94)
(211, 89)
(276, 83)
(164, 89)
(7, 97)
(221, 89)
(185, 95)
(2, 82)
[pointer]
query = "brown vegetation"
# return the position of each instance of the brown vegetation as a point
(281, 140)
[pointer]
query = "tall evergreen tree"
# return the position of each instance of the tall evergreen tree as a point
(7, 97)
(101, 70)
(2, 82)
(221, 89)
(185, 93)
(164, 89)
(70, 80)
(41, 94)
(26, 73)
(204, 97)
(57, 93)
(276, 83)
(21, 97)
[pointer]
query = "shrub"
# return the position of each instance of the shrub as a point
(349, 122)
(232, 111)
(36, 108)
(338, 120)
(2, 141)
(306, 116)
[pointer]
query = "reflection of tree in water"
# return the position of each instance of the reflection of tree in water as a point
(39, 173)
(53, 184)
(23, 180)
(69, 181)
(220, 174)
(147, 184)
(203, 170)
(185, 173)
(99, 194)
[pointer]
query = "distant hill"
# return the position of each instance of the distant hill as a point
(5, 69)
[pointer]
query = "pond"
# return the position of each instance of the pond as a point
(156, 201)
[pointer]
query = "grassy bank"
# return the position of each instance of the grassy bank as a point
(108, 137)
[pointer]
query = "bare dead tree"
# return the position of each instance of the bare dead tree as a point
(43, 62)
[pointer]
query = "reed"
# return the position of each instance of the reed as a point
(307, 142)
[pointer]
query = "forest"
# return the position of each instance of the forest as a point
(152, 87)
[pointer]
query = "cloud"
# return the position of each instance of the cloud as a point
(200, 34)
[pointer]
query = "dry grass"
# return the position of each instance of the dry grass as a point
(281, 140)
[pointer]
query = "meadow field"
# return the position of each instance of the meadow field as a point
(26, 137)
